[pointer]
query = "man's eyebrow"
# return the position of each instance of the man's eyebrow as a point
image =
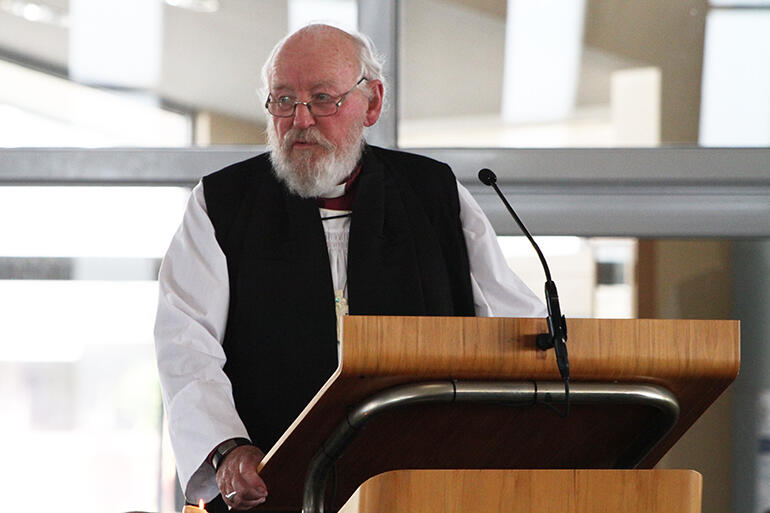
(280, 87)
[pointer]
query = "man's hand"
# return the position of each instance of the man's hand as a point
(238, 473)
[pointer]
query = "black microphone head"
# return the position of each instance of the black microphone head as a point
(487, 177)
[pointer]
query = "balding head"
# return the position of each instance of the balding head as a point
(331, 40)
(356, 49)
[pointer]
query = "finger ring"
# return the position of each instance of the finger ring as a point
(230, 495)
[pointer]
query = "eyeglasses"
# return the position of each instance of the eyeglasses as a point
(320, 105)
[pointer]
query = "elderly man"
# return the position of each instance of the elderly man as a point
(271, 251)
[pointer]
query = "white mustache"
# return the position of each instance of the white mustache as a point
(308, 135)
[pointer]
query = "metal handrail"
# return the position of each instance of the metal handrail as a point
(526, 393)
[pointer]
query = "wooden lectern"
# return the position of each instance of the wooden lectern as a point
(416, 398)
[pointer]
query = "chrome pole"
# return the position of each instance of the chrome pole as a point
(481, 392)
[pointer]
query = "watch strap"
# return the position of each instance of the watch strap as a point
(226, 448)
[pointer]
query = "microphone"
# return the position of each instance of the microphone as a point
(557, 323)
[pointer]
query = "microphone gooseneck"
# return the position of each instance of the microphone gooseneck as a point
(488, 177)
(557, 323)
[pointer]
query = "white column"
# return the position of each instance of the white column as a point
(735, 103)
(115, 43)
(543, 47)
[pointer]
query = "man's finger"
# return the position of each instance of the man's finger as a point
(245, 504)
(249, 479)
(246, 490)
(250, 504)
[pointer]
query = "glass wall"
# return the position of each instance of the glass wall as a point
(596, 277)
(145, 73)
(470, 73)
(595, 73)
(41, 109)
(78, 382)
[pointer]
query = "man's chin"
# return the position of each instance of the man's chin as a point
(306, 153)
(300, 162)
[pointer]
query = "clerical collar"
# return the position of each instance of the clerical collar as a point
(341, 197)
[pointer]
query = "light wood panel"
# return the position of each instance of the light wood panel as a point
(504, 348)
(529, 491)
(696, 360)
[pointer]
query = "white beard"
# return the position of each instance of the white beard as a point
(310, 177)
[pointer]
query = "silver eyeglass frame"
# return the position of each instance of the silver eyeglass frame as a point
(309, 104)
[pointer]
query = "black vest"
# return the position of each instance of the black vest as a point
(406, 256)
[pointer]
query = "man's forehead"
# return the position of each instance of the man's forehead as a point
(315, 59)
(312, 74)
(288, 84)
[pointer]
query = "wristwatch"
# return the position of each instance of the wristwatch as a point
(225, 448)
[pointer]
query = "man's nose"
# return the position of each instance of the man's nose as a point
(303, 118)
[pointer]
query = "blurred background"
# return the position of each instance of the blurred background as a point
(633, 135)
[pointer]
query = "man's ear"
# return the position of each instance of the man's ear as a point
(375, 104)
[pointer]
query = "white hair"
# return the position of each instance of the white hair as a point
(369, 60)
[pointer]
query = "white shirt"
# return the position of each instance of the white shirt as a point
(192, 314)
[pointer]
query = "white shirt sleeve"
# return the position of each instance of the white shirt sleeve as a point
(497, 291)
(189, 329)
